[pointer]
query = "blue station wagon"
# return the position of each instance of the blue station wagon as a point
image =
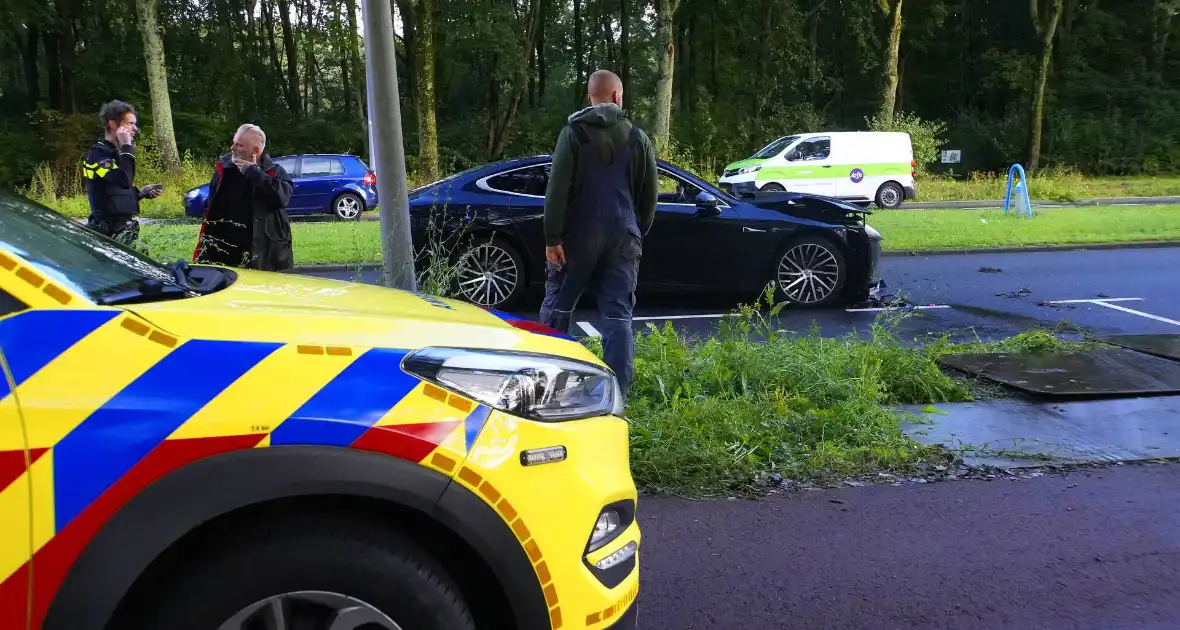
(342, 185)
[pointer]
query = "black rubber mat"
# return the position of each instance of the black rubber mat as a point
(1166, 346)
(1097, 373)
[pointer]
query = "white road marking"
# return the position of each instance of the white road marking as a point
(589, 329)
(1091, 300)
(1106, 302)
(895, 308)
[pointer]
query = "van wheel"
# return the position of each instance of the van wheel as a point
(313, 572)
(810, 271)
(772, 187)
(890, 196)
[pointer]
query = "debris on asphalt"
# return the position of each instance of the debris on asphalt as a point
(1015, 294)
(990, 270)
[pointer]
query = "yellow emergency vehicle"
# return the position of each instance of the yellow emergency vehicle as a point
(194, 447)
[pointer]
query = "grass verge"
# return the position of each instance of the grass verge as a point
(904, 230)
(724, 415)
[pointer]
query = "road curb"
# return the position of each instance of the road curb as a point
(1033, 249)
(886, 254)
(991, 204)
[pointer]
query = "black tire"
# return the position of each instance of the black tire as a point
(820, 250)
(773, 187)
(485, 294)
(890, 195)
(356, 558)
(350, 201)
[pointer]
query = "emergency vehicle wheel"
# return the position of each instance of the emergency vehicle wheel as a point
(810, 271)
(312, 572)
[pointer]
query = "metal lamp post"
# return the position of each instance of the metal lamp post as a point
(386, 145)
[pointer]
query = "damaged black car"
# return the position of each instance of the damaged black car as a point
(481, 231)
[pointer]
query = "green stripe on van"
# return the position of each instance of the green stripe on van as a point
(835, 171)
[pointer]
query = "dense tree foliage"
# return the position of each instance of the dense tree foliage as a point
(1085, 83)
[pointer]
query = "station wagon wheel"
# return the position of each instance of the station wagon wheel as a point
(347, 207)
(490, 274)
(810, 271)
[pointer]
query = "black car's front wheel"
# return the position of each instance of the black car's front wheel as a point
(490, 273)
(810, 271)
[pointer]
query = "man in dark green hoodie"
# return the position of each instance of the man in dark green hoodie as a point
(599, 204)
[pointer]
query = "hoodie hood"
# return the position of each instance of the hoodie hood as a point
(604, 115)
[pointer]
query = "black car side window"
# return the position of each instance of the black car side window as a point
(525, 181)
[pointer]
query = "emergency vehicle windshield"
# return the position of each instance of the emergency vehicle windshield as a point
(85, 261)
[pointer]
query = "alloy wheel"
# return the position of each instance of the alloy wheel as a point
(309, 610)
(348, 207)
(487, 275)
(808, 273)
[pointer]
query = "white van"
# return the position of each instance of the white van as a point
(856, 166)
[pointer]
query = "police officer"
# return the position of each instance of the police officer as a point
(599, 203)
(109, 171)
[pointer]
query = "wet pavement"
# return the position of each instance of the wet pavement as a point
(990, 296)
(1094, 549)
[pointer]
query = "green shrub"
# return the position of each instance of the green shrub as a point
(926, 136)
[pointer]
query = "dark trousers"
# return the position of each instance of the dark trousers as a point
(123, 230)
(610, 272)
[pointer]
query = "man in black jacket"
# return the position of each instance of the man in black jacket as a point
(109, 171)
(246, 221)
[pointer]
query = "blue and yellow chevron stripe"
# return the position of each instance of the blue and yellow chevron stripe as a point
(111, 403)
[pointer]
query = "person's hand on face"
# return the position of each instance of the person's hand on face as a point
(125, 135)
(243, 155)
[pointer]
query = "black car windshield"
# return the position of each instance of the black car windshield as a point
(72, 255)
(774, 148)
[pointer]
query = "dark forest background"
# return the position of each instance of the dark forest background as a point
(485, 79)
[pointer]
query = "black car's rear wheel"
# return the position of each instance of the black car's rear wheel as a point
(490, 273)
(810, 271)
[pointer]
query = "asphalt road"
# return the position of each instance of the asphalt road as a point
(1091, 550)
(989, 296)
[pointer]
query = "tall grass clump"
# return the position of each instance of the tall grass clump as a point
(722, 415)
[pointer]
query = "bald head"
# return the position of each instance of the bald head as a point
(605, 87)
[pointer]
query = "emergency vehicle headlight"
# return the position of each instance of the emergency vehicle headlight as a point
(536, 386)
(753, 168)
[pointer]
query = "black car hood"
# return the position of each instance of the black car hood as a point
(808, 206)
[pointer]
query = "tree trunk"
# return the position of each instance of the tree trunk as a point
(541, 69)
(1161, 25)
(665, 20)
(1046, 28)
(579, 52)
(253, 56)
(32, 78)
(889, 89)
(354, 53)
(157, 74)
(53, 67)
(67, 43)
(625, 43)
(269, 22)
(505, 122)
(294, 102)
(309, 105)
(427, 123)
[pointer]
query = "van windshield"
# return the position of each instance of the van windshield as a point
(774, 148)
